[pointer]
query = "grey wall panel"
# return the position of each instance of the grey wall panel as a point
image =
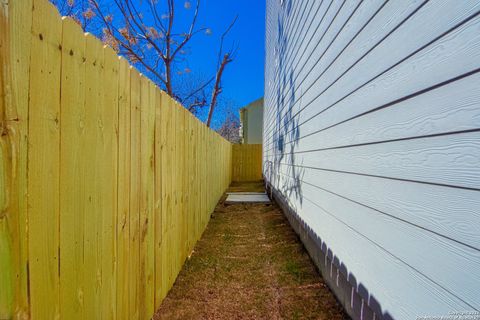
(380, 259)
(451, 55)
(452, 160)
(452, 107)
(420, 205)
(371, 134)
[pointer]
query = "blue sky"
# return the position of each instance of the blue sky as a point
(244, 77)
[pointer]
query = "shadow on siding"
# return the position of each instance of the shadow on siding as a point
(285, 127)
(359, 303)
(355, 297)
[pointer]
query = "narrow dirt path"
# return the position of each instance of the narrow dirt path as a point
(249, 264)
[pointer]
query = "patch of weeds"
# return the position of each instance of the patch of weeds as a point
(294, 269)
(228, 236)
(271, 225)
(260, 302)
(202, 263)
(296, 314)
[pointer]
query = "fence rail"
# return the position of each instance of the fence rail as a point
(106, 182)
(247, 162)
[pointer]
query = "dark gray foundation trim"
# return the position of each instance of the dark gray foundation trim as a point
(357, 302)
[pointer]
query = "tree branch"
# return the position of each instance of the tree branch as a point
(124, 45)
(221, 64)
(190, 32)
(217, 89)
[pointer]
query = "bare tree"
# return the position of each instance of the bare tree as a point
(154, 43)
(221, 64)
(194, 88)
(79, 10)
(230, 128)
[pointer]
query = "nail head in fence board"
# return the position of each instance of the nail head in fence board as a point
(72, 170)
(43, 161)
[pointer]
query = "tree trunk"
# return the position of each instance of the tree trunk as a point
(217, 90)
(168, 78)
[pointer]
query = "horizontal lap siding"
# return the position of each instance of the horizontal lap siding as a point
(372, 122)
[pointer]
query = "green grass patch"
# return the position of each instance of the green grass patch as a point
(294, 269)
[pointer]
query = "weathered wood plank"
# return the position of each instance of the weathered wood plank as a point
(107, 176)
(43, 161)
(147, 222)
(93, 212)
(247, 162)
(117, 194)
(158, 214)
(166, 189)
(20, 28)
(123, 220)
(183, 189)
(135, 162)
(72, 171)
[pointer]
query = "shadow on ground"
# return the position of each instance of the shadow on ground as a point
(249, 264)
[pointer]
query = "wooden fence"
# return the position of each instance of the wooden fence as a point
(247, 162)
(106, 183)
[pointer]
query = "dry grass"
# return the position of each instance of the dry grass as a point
(249, 264)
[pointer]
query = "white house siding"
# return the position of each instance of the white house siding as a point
(372, 136)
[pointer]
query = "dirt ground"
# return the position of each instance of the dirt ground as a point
(249, 264)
